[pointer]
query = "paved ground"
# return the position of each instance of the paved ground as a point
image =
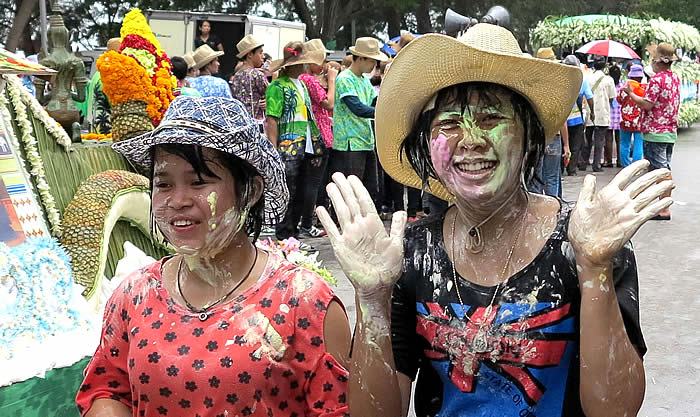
(668, 257)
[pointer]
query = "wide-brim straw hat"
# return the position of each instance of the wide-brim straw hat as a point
(189, 59)
(368, 47)
(204, 55)
(316, 45)
(664, 52)
(485, 53)
(247, 44)
(304, 57)
(222, 124)
(546, 53)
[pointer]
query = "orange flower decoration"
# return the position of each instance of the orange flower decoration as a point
(123, 79)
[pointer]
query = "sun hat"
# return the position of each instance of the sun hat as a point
(664, 52)
(189, 59)
(368, 47)
(484, 53)
(636, 70)
(222, 124)
(296, 54)
(316, 45)
(546, 53)
(204, 55)
(247, 44)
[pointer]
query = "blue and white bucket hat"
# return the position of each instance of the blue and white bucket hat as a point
(222, 124)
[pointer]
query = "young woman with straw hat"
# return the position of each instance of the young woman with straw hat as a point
(221, 327)
(508, 303)
(207, 61)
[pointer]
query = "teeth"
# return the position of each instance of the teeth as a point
(475, 166)
(181, 223)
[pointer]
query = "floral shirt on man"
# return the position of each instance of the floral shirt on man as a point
(664, 92)
(248, 86)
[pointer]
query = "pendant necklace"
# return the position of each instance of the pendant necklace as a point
(475, 241)
(479, 343)
(204, 312)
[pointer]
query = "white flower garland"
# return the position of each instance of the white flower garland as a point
(31, 151)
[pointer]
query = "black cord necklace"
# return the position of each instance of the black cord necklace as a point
(204, 311)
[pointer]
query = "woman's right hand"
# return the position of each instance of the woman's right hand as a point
(371, 258)
(331, 73)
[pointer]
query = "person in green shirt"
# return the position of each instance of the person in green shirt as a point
(293, 131)
(353, 138)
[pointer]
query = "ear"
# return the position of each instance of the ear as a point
(257, 191)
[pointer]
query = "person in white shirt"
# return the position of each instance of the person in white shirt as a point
(604, 93)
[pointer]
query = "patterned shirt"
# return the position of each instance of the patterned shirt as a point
(248, 86)
(260, 355)
(285, 102)
(664, 92)
(615, 111)
(210, 86)
(630, 112)
(323, 116)
(349, 131)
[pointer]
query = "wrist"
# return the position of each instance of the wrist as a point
(585, 263)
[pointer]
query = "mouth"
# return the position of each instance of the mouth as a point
(183, 225)
(476, 168)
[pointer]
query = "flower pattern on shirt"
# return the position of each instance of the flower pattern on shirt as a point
(323, 116)
(248, 86)
(261, 354)
(664, 92)
(210, 86)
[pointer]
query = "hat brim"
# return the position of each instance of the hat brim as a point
(310, 57)
(378, 56)
(549, 86)
(208, 59)
(248, 144)
(245, 51)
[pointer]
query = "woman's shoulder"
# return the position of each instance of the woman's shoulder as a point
(297, 281)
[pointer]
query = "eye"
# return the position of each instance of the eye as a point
(161, 185)
(491, 119)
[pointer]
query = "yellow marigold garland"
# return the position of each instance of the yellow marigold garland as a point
(135, 23)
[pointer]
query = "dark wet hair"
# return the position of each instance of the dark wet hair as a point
(599, 64)
(615, 73)
(179, 67)
(416, 145)
(243, 175)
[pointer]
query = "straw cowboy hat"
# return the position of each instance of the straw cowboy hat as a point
(297, 56)
(204, 55)
(368, 48)
(189, 59)
(247, 44)
(546, 53)
(222, 124)
(316, 45)
(485, 53)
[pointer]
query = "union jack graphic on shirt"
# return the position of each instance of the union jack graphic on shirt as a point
(529, 349)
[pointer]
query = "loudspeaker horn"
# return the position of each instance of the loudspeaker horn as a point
(456, 23)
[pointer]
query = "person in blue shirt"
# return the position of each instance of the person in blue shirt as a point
(575, 121)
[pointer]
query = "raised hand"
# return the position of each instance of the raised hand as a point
(603, 221)
(371, 258)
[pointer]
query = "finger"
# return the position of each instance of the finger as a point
(328, 223)
(652, 193)
(348, 194)
(365, 200)
(341, 209)
(624, 177)
(654, 208)
(587, 189)
(646, 180)
(398, 225)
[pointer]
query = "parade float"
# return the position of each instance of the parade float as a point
(565, 34)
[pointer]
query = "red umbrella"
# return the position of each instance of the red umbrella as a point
(608, 48)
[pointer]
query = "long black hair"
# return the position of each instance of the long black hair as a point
(416, 145)
(242, 172)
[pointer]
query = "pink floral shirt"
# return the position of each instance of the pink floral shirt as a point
(664, 92)
(324, 117)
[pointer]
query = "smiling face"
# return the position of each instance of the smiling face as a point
(477, 151)
(185, 204)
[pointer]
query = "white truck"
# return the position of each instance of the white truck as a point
(177, 31)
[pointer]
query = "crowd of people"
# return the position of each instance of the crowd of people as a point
(504, 303)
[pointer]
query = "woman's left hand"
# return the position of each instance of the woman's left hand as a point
(603, 221)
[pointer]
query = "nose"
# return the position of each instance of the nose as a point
(473, 138)
(179, 199)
